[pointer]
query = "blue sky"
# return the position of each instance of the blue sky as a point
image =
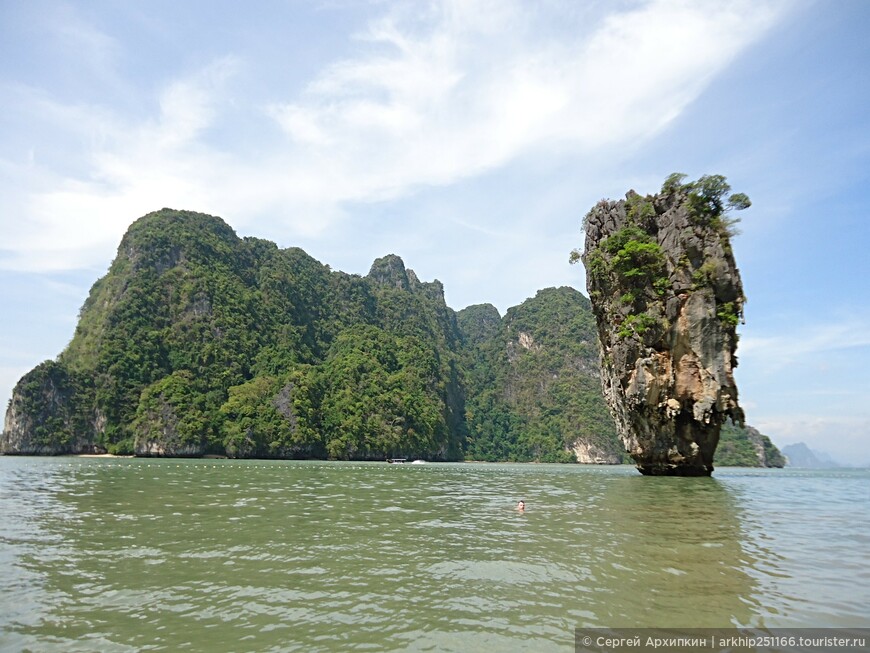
(470, 138)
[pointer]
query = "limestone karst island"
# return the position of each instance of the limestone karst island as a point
(198, 342)
(667, 299)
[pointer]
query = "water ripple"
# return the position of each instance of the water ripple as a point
(166, 555)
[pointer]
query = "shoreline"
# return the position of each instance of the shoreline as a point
(461, 462)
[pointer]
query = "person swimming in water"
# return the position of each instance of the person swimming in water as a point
(521, 506)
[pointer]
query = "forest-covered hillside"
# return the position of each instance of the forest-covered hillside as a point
(200, 342)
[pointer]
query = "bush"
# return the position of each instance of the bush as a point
(708, 204)
(637, 325)
(727, 314)
(673, 182)
(639, 209)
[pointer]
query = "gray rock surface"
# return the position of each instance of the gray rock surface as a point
(666, 309)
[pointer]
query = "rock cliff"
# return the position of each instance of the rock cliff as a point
(667, 298)
(51, 413)
(198, 342)
(533, 382)
(746, 447)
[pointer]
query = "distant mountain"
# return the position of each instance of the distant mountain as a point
(800, 455)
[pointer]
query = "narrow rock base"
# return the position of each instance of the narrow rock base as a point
(674, 470)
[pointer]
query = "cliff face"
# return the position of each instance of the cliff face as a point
(746, 447)
(767, 453)
(199, 342)
(667, 297)
(533, 382)
(51, 413)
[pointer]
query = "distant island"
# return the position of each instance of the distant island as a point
(199, 342)
(800, 455)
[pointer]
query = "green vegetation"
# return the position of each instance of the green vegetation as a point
(746, 447)
(635, 260)
(533, 387)
(631, 266)
(631, 261)
(382, 397)
(47, 399)
(199, 342)
(637, 324)
(673, 183)
(728, 314)
(268, 417)
(710, 200)
(639, 210)
(705, 275)
(173, 404)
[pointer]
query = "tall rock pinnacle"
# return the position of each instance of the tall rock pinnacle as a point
(667, 298)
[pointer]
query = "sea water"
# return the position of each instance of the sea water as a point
(222, 555)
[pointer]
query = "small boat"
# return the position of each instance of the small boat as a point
(395, 461)
(419, 462)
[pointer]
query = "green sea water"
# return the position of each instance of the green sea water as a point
(220, 555)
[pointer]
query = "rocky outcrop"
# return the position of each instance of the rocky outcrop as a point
(168, 447)
(168, 421)
(746, 447)
(667, 297)
(589, 453)
(533, 383)
(50, 414)
(164, 435)
(390, 272)
(767, 453)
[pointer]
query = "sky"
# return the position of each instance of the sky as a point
(469, 137)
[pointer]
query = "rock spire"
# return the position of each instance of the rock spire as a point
(667, 298)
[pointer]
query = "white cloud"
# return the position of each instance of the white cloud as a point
(462, 96)
(73, 221)
(772, 353)
(84, 45)
(811, 381)
(428, 100)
